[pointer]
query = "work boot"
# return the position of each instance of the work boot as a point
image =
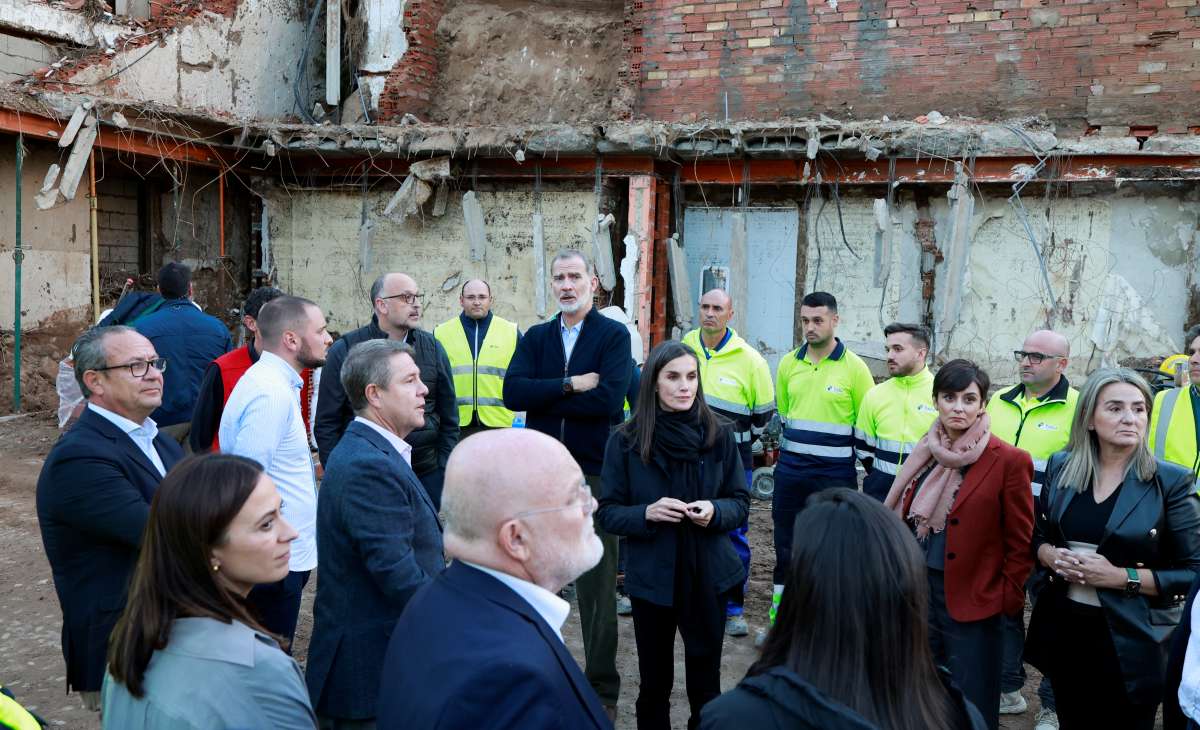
(1012, 703)
(1045, 720)
(736, 625)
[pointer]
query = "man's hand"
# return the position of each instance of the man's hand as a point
(585, 382)
(700, 512)
(667, 509)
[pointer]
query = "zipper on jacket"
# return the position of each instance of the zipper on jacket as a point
(1025, 414)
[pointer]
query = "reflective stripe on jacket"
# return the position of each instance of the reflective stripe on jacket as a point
(479, 381)
(819, 407)
(1040, 426)
(893, 417)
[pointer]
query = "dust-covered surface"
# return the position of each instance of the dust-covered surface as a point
(29, 639)
(529, 61)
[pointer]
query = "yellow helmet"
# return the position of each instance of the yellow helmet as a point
(1168, 366)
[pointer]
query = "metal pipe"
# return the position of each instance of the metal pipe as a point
(93, 204)
(221, 189)
(18, 256)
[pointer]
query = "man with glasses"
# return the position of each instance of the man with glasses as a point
(397, 304)
(262, 421)
(481, 646)
(1034, 415)
(480, 345)
(94, 492)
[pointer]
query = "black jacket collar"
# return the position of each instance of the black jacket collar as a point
(1057, 394)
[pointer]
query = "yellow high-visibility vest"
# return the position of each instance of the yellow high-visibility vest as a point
(479, 381)
(1173, 428)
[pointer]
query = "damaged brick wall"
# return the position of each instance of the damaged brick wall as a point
(1084, 64)
(409, 87)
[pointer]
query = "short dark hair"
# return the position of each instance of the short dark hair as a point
(957, 375)
(259, 297)
(463, 291)
(820, 299)
(919, 334)
(282, 314)
(370, 363)
(174, 279)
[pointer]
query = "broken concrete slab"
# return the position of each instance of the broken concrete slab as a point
(77, 162)
(72, 128)
(476, 233)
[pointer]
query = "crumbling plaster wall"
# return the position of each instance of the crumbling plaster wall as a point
(1124, 257)
(315, 247)
(241, 66)
(56, 271)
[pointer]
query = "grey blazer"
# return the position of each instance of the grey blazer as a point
(379, 539)
(213, 676)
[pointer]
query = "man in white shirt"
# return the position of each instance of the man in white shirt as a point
(378, 533)
(94, 492)
(262, 421)
(481, 646)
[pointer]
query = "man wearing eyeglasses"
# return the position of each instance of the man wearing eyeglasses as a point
(1034, 415)
(480, 345)
(481, 645)
(94, 492)
(397, 304)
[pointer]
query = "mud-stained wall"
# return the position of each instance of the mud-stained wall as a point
(1121, 265)
(318, 251)
(529, 61)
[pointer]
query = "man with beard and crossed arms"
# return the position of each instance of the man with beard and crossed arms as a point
(262, 421)
(570, 375)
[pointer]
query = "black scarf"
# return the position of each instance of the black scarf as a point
(678, 445)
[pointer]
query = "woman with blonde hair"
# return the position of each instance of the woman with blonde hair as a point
(1117, 542)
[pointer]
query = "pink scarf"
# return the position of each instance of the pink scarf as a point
(936, 497)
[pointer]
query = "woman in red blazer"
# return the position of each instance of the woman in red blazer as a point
(966, 494)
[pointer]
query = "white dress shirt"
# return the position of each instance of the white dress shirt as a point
(262, 421)
(142, 435)
(551, 608)
(1189, 685)
(399, 444)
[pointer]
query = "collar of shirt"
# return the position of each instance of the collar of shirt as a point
(280, 365)
(148, 428)
(208, 638)
(551, 608)
(399, 444)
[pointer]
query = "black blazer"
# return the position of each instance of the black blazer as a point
(630, 485)
(1154, 525)
(93, 498)
(581, 421)
(471, 654)
(380, 540)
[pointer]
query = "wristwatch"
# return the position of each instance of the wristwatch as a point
(1133, 584)
(567, 387)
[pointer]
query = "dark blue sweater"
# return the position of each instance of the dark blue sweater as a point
(581, 421)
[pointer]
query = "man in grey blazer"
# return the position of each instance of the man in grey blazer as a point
(378, 534)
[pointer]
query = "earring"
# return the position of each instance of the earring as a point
(216, 566)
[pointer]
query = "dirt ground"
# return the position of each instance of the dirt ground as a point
(31, 661)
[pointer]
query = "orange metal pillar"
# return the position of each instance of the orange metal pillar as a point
(641, 225)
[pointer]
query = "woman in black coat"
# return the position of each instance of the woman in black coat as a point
(673, 487)
(1117, 540)
(850, 648)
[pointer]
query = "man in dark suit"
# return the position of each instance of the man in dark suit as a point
(481, 646)
(378, 534)
(570, 375)
(93, 495)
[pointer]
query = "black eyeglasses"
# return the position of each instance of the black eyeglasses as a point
(139, 368)
(406, 298)
(1035, 358)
